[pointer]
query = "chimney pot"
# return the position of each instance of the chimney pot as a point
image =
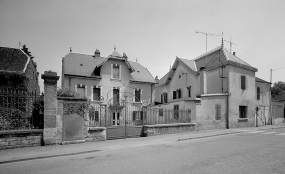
(97, 53)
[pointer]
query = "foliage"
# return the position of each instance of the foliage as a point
(278, 91)
(67, 93)
(75, 108)
(14, 79)
(12, 119)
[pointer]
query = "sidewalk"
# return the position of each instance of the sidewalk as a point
(39, 152)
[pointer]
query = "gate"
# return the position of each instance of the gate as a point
(122, 117)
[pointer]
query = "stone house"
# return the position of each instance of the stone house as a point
(106, 80)
(219, 88)
(18, 70)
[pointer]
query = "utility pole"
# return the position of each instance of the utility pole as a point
(206, 34)
(230, 44)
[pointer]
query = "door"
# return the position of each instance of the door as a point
(116, 121)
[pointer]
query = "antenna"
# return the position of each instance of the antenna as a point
(206, 39)
(230, 42)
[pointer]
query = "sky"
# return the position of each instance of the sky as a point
(152, 32)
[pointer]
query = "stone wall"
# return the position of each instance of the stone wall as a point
(96, 134)
(21, 138)
(160, 129)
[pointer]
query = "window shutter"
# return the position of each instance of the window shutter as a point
(258, 93)
(75, 88)
(134, 115)
(120, 73)
(166, 100)
(243, 82)
(92, 99)
(161, 97)
(101, 91)
(112, 71)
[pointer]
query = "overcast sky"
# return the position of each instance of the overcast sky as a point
(154, 32)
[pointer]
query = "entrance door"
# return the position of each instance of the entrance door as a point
(116, 121)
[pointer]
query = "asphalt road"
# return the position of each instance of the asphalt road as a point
(250, 152)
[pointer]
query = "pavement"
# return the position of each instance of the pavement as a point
(40, 152)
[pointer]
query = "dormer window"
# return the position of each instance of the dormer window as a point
(116, 71)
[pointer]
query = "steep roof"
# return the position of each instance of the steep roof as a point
(261, 80)
(84, 65)
(13, 59)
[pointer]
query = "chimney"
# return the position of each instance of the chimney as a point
(234, 53)
(125, 56)
(97, 53)
(203, 81)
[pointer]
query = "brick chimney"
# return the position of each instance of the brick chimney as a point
(203, 81)
(125, 56)
(97, 53)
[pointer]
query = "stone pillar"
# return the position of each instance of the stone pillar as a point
(50, 132)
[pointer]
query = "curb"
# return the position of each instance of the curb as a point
(47, 156)
(206, 136)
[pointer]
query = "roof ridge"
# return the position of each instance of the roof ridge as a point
(208, 52)
(238, 58)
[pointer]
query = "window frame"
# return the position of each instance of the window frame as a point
(243, 112)
(119, 71)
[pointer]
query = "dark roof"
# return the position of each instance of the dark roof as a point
(261, 80)
(12, 59)
(84, 65)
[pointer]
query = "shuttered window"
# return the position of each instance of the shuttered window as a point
(258, 93)
(218, 112)
(242, 82)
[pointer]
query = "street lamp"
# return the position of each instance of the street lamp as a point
(270, 105)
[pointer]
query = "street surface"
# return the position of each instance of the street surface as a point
(249, 152)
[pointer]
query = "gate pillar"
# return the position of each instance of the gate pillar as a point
(52, 133)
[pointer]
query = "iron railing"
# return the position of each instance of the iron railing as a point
(135, 114)
(20, 109)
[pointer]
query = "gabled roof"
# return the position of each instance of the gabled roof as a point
(115, 54)
(84, 65)
(261, 80)
(13, 59)
(213, 59)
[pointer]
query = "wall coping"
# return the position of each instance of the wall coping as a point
(218, 94)
(97, 128)
(72, 99)
(169, 125)
(7, 132)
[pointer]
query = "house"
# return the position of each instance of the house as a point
(219, 88)
(108, 80)
(18, 70)
(19, 90)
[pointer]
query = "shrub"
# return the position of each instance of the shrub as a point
(67, 93)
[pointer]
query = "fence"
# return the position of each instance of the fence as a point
(100, 116)
(20, 109)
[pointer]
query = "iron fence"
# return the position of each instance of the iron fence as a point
(20, 109)
(102, 116)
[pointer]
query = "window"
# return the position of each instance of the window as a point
(242, 111)
(176, 111)
(243, 82)
(116, 71)
(94, 115)
(96, 93)
(258, 93)
(137, 115)
(81, 90)
(160, 112)
(164, 97)
(116, 97)
(137, 95)
(189, 91)
(218, 112)
(174, 94)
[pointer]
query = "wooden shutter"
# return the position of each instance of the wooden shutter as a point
(218, 112)
(258, 93)
(243, 82)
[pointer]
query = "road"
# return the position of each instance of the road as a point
(249, 152)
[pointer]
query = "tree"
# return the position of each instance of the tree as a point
(278, 91)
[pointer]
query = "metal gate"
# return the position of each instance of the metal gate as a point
(122, 117)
